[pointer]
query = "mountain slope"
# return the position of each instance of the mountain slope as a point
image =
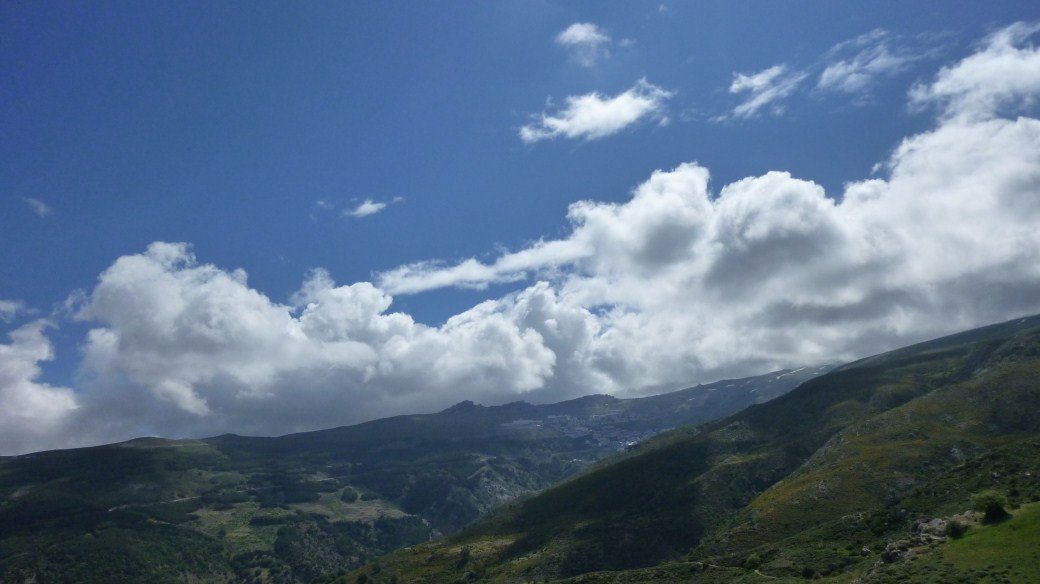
(307, 506)
(816, 482)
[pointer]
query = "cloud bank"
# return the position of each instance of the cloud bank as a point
(1001, 77)
(679, 284)
(196, 343)
(686, 283)
(32, 413)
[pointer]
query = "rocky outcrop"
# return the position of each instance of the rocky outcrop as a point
(924, 533)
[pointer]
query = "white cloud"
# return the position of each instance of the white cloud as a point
(766, 89)
(37, 206)
(1003, 75)
(32, 414)
(676, 285)
(593, 116)
(423, 276)
(586, 42)
(366, 208)
(184, 348)
(359, 211)
(10, 309)
(582, 33)
(875, 56)
(688, 284)
(852, 68)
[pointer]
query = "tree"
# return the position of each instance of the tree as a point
(955, 529)
(992, 504)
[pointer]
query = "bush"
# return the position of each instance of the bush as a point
(260, 520)
(992, 504)
(349, 495)
(463, 558)
(955, 529)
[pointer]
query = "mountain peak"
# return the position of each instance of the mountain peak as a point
(462, 407)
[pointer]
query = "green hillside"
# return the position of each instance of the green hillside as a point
(307, 507)
(855, 475)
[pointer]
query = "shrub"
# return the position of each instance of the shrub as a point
(992, 504)
(955, 529)
(463, 558)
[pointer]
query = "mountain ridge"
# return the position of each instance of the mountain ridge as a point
(304, 507)
(839, 463)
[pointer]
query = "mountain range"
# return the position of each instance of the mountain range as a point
(308, 507)
(917, 465)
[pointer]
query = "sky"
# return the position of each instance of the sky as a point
(281, 217)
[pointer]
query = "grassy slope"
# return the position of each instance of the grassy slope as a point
(1012, 546)
(919, 428)
(1008, 552)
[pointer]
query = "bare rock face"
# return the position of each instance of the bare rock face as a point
(926, 531)
(897, 551)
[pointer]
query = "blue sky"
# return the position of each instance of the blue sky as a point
(252, 134)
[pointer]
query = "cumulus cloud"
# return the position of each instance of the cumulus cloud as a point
(766, 89)
(874, 56)
(1004, 75)
(678, 284)
(687, 284)
(586, 42)
(33, 414)
(593, 116)
(39, 207)
(180, 347)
